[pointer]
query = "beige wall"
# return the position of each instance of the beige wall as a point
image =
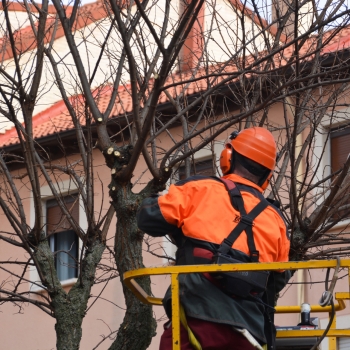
(32, 329)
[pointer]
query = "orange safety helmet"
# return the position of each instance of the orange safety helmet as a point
(255, 143)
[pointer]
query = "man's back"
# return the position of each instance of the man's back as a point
(201, 207)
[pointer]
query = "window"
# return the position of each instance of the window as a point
(199, 167)
(343, 343)
(340, 148)
(63, 240)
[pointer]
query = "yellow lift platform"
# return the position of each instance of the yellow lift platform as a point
(175, 271)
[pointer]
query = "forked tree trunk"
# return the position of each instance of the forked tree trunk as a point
(69, 308)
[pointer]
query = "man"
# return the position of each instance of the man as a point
(210, 218)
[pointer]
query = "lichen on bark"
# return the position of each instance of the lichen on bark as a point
(138, 326)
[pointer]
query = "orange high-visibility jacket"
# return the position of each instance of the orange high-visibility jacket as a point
(202, 210)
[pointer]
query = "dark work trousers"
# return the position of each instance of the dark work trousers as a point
(211, 336)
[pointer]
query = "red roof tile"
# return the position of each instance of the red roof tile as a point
(340, 42)
(56, 118)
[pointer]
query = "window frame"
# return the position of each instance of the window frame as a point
(54, 237)
(322, 140)
(339, 132)
(65, 187)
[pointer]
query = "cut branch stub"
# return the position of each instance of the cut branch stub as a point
(112, 187)
(160, 183)
(121, 158)
(109, 155)
(116, 157)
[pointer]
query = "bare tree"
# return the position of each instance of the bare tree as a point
(189, 71)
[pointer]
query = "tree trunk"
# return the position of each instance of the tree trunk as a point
(69, 316)
(138, 326)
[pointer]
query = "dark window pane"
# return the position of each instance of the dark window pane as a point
(67, 255)
(200, 167)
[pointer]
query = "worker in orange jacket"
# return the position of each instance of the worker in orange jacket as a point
(223, 221)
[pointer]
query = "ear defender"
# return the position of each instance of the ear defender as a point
(226, 155)
(225, 159)
(267, 181)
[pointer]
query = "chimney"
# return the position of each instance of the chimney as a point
(305, 16)
(192, 49)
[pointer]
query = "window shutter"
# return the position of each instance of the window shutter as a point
(56, 220)
(343, 343)
(340, 148)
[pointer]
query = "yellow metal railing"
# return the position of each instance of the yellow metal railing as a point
(175, 271)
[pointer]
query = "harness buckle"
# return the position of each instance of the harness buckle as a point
(246, 220)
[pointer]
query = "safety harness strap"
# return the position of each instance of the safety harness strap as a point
(245, 222)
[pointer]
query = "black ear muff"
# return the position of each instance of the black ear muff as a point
(264, 182)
